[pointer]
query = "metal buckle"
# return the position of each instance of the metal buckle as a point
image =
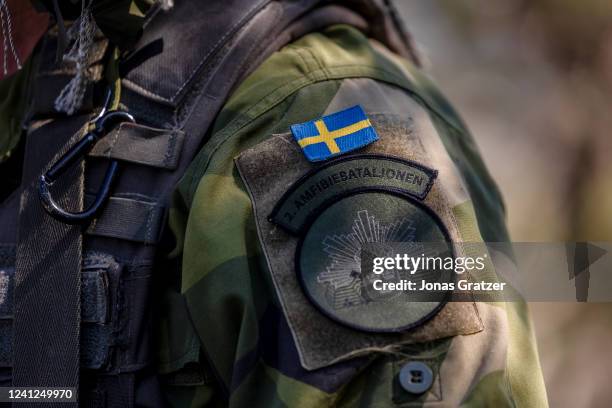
(102, 125)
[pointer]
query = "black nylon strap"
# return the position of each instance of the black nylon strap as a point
(48, 263)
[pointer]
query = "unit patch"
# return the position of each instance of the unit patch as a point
(334, 260)
(320, 225)
(334, 134)
(343, 207)
(344, 175)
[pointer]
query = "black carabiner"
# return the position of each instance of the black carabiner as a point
(102, 125)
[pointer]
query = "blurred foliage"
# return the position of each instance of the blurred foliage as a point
(570, 31)
(568, 44)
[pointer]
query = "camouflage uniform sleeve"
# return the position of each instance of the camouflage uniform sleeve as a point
(262, 337)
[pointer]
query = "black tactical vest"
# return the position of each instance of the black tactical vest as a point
(76, 301)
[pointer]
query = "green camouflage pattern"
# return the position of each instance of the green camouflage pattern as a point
(236, 333)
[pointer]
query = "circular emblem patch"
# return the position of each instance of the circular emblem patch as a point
(336, 257)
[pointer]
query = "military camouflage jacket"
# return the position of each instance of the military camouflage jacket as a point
(238, 313)
(236, 328)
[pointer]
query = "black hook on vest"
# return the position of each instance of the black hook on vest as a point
(102, 126)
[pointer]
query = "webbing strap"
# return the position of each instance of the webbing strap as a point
(131, 218)
(47, 303)
(142, 145)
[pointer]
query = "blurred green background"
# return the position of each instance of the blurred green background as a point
(533, 80)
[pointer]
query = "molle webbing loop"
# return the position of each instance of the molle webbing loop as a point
(140, 144)
(138, 219)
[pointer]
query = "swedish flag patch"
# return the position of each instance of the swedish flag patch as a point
(334, 134)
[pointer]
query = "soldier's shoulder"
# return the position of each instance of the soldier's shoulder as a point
(293, 85)
(332, 54)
